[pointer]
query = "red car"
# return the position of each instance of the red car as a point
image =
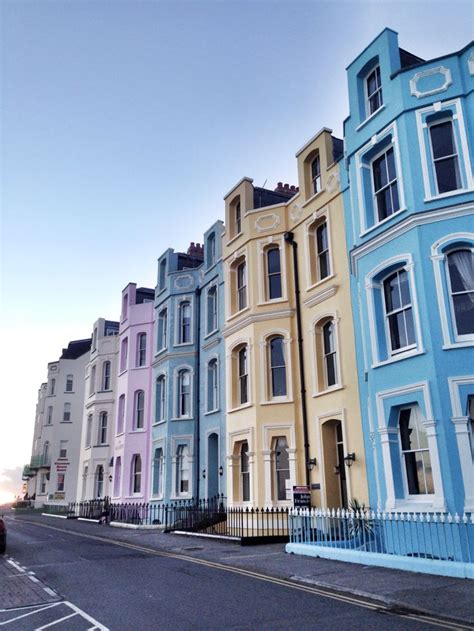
(3, 535)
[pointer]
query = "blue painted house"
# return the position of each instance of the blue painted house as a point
(187, 431)
(409, 201)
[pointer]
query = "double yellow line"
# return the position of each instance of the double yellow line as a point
(316, 591)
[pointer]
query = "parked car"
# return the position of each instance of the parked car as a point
(3, 535)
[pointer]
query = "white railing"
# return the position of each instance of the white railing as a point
(440, 536)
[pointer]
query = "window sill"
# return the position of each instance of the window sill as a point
(161, 350)
(69, 392)
(418, 505)
(139, 368)
(186, 496)
(277, 401)
(157, 498)
(240, 407)
(119, 434)
(271, 301)
(211, 333)
(458, 191)
(182, 418)
(321, 393)
(159, 423)
(101, 445)
(122, 372)
(65, 422)
(460, 344)
(381, 223)
(234, 238)
(181, 344)
(399, 357)
(369, 118)
(313, 197)
(320, 282)
(137, 431)
(209, 412)
(235, 315)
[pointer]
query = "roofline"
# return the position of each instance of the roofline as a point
(244, 179)
(387, 28)
(311, 140)
(429, 61)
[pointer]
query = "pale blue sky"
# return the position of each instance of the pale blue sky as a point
(125, 123)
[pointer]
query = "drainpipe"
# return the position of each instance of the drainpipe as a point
(289, 238)
(197, 293)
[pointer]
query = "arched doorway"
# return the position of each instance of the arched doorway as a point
(334, 468)
(212, 465)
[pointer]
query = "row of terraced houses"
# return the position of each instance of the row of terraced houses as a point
(322, 335)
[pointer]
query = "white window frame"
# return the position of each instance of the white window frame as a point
(162, 322)
(383, 152)
(439, 251)
(454, 111)
(124, 354)
(447, 119)
(69, 383)
(215, 407)
(103, 432)
(367, 96)
(388, 339)
(63, 448)
(159, 494)
(160, 405)
(106, 375)
(136, 474)
(315, 180)
(412, 496)
(67, 413)
(121, 413)
(177, 373)
(89, 423)
(178, 331)
(361, 165)
(140, 360)
(459, 337)
(241, 290)
(137, 411)
(215, 319)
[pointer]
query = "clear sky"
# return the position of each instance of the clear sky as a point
(124, 123)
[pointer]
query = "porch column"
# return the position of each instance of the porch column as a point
(388, 435)
(461, 427)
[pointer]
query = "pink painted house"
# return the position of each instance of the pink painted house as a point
(134, 397)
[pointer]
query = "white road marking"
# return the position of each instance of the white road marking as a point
(82, 613)
(50, 591)
(53, 515)
(33, 578)
(15, 565)
(51, 624)
(30, 613)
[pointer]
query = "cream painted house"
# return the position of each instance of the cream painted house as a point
(287, 426)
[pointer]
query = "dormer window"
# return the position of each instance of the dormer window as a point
(316, 175)
(374, 91)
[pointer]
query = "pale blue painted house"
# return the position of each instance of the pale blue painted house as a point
(409, 202)
(188, 437)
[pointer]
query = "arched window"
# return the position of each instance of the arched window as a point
(184, 393)
(106, 375)
(160, 400)
(243, 390)
(211, 309)
(92, 380)
(103, 423)
(69, 383)
(415, 452)
(124, 355)
(316, 175)
(182, 470)
(273, 273)
(184, 323)
(322, 250)
(139, 409)
(211, 249)
(276, 350)
(329, 349)
(212, 385)
(89, 430)
(282, 467)
(136, 474)
(121, 414)
(162, 329)
(244, 472)
(238, 218)
(461, 289)
(99, 481)
(398, 312)
(158, 472)
(242, 286)
(141, 349)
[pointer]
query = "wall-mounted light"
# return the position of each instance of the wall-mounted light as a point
(349, 459)
(221, 470)
(204, 473)
(312, 462)
(110, 478)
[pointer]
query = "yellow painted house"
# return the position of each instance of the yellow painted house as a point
(292, 396)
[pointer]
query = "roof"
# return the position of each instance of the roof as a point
(263, 197)
(143, 293)
(76, 348)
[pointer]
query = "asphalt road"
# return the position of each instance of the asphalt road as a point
(124, 588)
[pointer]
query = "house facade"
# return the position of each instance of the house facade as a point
(99, 410)
(409, 201)
(132, 426)
(54, 467)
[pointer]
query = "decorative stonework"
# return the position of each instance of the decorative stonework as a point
(183, 281)
(470, 63)
(333, 183)
(444, 79)
(267, 222)
(296, 212)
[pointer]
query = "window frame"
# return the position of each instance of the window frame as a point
(275, 470)
(69, 383)
(244, 475)
(124, 354)
(162, 333)
(67, 413)
(463, 337)
(141, 350)
(272, 368)
(183, 458)
(242, 374)
(367, 96)
(103, 428)
(160, 400)
(212, 309)
(330, 354)
(89, 424)
(456, 155)
(403, 460)
(136, 475)
(315, 188)
(139, 410)
(181, 412)
(182, 326)
(268, 275)
(376, 215)
(106, 375)
(241, 286)
(159, 492)
(388, 338)
(121, 414)
(215, 385)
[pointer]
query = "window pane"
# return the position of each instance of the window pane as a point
(464, 311)
(392, 294)
(328, 335)
(331, 369)
(392, 173)
(442, 139)
(379, 172)
(395, 200)
(279, 382)
(274, 260)
(447, 174)
(404, 288)
(429, 486)
(461, 270)
(274, 286)
(277, 352)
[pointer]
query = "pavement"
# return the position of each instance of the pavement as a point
(440, 598)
